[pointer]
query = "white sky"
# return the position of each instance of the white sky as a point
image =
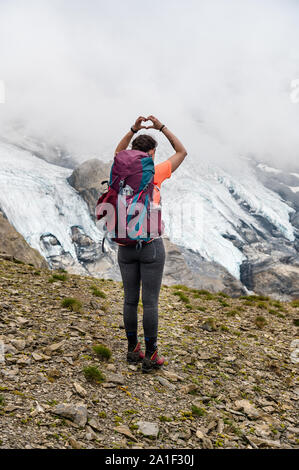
(217, 72)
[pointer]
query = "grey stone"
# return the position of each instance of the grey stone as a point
(116, 379)
(148, 429)
(207, 443)
(76, 413)
(79, 389)
(167, 384)
(248, 408)
(94, 424)
(9, 349)
(20, 344)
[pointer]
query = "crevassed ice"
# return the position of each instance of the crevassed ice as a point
(270, 169)
(37, 199)
(205, 191)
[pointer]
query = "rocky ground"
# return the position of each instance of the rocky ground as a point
(230, 380)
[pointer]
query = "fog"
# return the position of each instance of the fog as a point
(217, 73)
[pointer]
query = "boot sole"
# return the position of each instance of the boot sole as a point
(134, 360)
(147, 368)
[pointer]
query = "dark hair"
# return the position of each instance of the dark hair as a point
(144, 143)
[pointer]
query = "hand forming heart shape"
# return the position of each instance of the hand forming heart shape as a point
(156, 124)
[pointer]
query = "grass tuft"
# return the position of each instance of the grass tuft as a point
(97, 292)
(58, 277)
(201, 308)
(272, 311)
(165, 419)
(223, 294)
(18, 261)
(223, 302)
(224, 328)
(93, 374)
(196, 411)
(260, 321)
(203, 292)
(102, 351)
(232, 313)
(72, 304)
(180, 286)
(262, 305)
(182, 296)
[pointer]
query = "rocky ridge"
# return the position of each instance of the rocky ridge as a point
(229, 381)
(14, 245)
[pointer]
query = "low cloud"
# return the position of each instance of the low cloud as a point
(219, 74)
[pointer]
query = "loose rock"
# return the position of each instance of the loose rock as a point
(148, 429)
(247, 407)
(76, 413)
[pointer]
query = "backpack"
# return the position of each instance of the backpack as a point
(131, 216)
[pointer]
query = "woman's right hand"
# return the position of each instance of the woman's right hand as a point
(156, 123)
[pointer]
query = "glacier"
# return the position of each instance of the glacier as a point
(216, 197)
(37, 200)
(203, 206)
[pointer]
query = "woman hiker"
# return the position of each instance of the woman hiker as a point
(146, 265)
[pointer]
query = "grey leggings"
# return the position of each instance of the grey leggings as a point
(145, 266)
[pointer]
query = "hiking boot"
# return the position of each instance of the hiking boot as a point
(135, 356)
(153, 362)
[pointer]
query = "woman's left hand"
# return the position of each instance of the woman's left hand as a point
(137, 126)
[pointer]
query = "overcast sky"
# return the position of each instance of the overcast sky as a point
(217, 72)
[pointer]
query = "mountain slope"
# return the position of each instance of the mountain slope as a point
(229, 381)
(231, 229)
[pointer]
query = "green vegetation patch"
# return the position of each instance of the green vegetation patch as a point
(98, 292)
(223, 294)
(180, 287)
(93, 374)
(255, 298)
(102, 351)
(72, 304)
(196, 411)
(164, 419)
(182, 297)
(58, 277)
(260, 321)
(262, 305)
(18, 261)
(276, 313)
(201, 308)
(223, 302)
(203, 292)
(232, 313)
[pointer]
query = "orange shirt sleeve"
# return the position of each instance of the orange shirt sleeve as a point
(162, 172)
